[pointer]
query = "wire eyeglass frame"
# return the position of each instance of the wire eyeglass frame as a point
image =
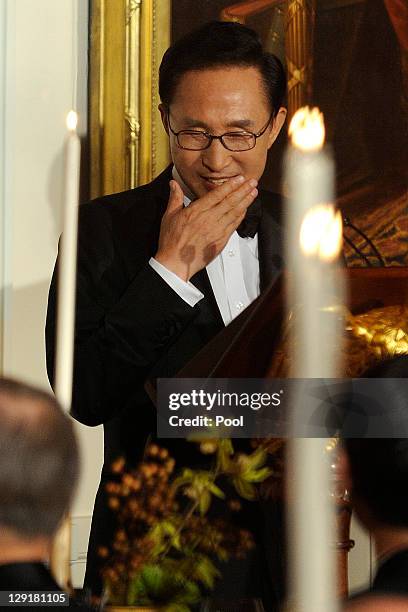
(211, 137)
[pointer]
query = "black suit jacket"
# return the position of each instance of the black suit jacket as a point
(130, 325)
(129, 322)
(32, 577)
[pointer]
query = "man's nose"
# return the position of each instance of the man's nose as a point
(216, 157)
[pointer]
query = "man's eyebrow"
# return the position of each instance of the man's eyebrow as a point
(193, 123)
(239, 123)
(242, 123)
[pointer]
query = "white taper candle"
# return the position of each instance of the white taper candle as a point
(67, 268)
(61, 549)
(313, 242)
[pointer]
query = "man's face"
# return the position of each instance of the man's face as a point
(217, 101)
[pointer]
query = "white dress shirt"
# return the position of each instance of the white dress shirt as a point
(233, 274)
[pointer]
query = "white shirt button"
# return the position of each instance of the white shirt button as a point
(231, 253)
(239, 305)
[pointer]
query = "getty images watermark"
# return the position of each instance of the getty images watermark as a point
(246, 408)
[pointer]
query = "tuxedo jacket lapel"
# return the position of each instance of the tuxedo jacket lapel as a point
(270, 242)
(202, 282)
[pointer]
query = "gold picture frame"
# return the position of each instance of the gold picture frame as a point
(128, 146)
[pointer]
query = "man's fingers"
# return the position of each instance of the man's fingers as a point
(232, 224)
(241, 197)
(176, 197)
(214, 197)
(236, 209)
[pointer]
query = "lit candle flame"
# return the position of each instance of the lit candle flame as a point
(321, 233)
(72, 121)
(307, 129)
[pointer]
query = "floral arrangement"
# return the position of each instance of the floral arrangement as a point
(164, 547)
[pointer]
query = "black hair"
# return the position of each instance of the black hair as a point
(379, 466)
(221, 44)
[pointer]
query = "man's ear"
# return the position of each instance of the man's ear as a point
(278, 122)
(164, 117)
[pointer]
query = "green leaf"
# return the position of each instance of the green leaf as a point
(257, 458)
(204, 502)
(247, 463)
(153, 578)
(189, 594)
(205, 571)
(226, 446)
(225, 451)
(244, 489)
(157, 536)
(256, 475)
(216, 491)
(186, 477)
(163, 584)
(176, 542)
(136, 594)
(168, 527)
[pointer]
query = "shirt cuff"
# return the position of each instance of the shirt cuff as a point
(186, 291)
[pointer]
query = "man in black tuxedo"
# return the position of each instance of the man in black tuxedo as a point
(377, 475)
(164, 267)
(39, 466)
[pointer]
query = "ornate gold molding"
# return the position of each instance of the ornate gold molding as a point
(132, 93)
(299, 36)
(155, 37)
(128, 146)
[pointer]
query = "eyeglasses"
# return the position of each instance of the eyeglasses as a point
(194, 140)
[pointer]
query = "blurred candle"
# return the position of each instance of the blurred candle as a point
(314, 240)
(61, 548)
(67, 268)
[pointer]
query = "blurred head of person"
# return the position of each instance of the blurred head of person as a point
(378, 467)
(39, 465)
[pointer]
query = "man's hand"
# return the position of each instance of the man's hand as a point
(192, 236)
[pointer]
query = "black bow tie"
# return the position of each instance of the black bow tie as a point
(250, 223)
